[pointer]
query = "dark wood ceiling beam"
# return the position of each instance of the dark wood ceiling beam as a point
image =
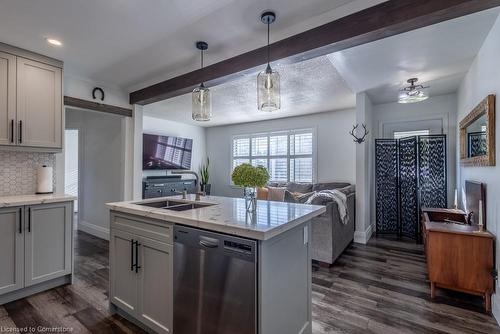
(90, 105)
(386, 19)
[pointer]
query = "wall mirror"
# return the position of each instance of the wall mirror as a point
(477, 135)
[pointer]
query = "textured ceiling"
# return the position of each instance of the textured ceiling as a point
(439, 55)
(132, 43)
(307, 87)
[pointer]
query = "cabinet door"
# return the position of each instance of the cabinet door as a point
(48, 241)
(39, 104)
(11, 250)
(7, 99)
(155, 285)
(123, 278)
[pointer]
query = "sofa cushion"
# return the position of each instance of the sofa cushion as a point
(299, 187)
(329, 185)
(348, 190)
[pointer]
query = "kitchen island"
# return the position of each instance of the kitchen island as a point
(185, 266)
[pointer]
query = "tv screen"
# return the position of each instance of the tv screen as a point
(166, 152)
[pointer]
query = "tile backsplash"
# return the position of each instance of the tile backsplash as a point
(18, 171)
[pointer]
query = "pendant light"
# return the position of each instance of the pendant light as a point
(202, 101)
(268, 81)
(413, 93)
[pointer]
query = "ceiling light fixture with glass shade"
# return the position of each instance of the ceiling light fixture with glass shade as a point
(412, 93)
(202, 101)
(268, 81)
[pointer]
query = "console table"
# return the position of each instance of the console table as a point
(459, 256)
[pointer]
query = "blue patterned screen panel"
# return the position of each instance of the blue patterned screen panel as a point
(408, 187)
(476, 144)
(386, 183)
(432, 171)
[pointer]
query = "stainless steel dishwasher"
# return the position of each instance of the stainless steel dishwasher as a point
(215, 283)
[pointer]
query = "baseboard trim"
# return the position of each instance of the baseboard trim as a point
(495, 308)
(95, 230)
(362, 237)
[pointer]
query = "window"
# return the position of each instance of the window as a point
(287, 155)
(403, 134)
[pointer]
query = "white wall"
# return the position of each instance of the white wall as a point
(101, 166)
(82, 88)
(483, 78)
(364, 226)
(438, 114)
(170, 128)
(335, 148)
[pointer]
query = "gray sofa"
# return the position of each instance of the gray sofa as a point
(330, 236)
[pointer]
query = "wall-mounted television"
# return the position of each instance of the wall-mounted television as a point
(166, 152)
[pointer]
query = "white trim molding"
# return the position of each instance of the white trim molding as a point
(93, 229)
(362, 237)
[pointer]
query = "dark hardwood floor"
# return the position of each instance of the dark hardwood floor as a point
(376, 288)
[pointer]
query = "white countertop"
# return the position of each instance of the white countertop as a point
(229, 215)
(19, 200)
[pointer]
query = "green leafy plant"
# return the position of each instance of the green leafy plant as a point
(204, 174)
(246, 175)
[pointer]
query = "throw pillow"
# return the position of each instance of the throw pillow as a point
(276, 194)
(296, 197)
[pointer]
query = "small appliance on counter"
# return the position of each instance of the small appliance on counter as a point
(45, 180)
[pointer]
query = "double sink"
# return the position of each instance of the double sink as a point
(175, 205)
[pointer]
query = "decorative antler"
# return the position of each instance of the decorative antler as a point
(357, 139)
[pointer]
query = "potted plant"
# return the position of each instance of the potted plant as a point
(204, 175)
(250, 178)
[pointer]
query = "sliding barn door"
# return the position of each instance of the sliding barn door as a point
(386, 183)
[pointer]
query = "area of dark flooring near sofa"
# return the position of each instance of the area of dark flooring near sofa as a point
(376, 288)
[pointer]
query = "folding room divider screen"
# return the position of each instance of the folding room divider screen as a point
(410, 173)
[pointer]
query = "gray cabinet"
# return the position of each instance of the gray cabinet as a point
(123, 290)
(155, 284)
(35, 248)
(39, 104)
(47, 242)
(31, 100)
(11, 249)
(7, 99)
(141, 270)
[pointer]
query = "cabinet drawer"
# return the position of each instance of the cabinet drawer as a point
(149, 228)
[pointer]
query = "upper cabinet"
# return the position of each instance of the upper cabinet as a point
(7, 99)
(31, 100)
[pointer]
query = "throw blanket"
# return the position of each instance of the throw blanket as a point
(331, 195)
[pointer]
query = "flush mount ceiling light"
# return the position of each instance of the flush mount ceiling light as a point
(202, 101)
(53, 41)
(268, 81)
(412, 93)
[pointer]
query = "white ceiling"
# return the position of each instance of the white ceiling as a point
(439, 55)
(307, 87)
(132, 43)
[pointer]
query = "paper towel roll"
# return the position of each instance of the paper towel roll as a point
(44, 180)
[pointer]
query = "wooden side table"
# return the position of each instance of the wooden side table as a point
(460, 257)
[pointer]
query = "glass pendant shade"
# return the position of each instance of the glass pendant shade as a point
(268, 90)
(202, 104)
(412, 93)
(412, 96)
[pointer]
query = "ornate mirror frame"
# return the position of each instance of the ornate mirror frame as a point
(485, 107)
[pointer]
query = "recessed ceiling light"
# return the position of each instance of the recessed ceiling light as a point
(53, 41)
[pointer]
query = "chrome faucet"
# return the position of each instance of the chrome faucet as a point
(198, 188)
